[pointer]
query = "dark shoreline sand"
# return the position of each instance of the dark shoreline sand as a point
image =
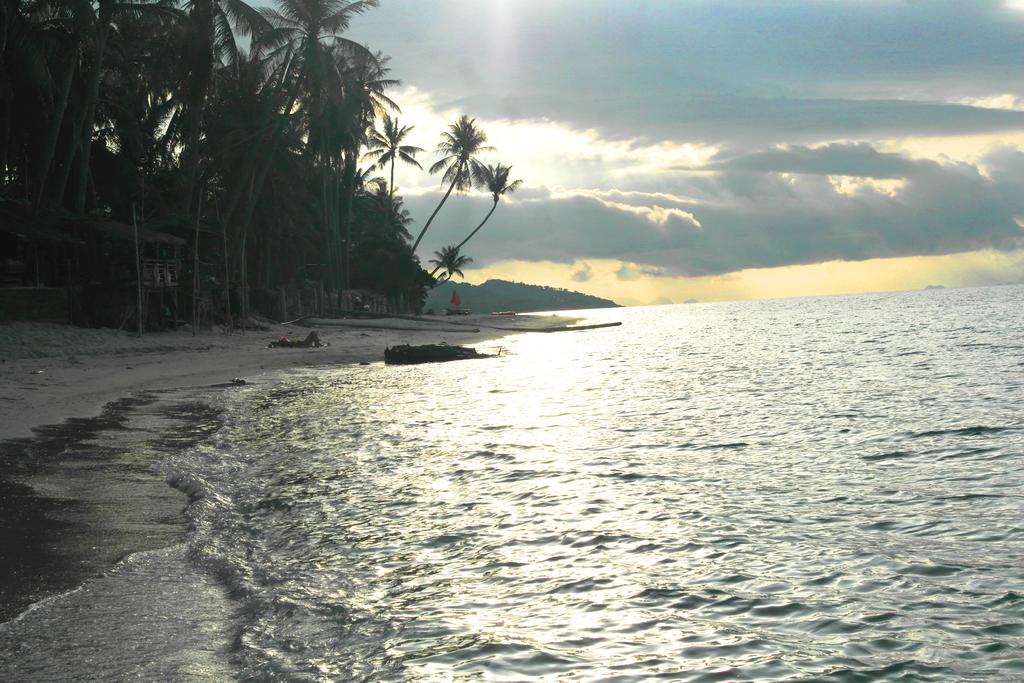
(100, 497)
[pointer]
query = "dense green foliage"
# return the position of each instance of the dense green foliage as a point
(238, 129)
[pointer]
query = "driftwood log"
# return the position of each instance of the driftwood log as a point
(404, 354)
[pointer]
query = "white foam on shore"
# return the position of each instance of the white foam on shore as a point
(153, 617)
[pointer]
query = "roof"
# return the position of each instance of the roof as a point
(20, 224)
(127, 232)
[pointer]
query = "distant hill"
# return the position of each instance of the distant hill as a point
(502, 295)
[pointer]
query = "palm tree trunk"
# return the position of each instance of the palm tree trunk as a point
(392, 185)
(195, 271)
(106, 11)
(254, 161)
(227, 277)
(350, 190)
(431, 219)
(470, 235)
(477, 229)
(328, 233)
(53, 132)
(196, 108)
(6, 92)
(334, 196)
(5, 134)
(192, 159)
(243, 282)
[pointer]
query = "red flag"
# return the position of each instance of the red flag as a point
(455, 298)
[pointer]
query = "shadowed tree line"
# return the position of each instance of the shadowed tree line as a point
(241, 130)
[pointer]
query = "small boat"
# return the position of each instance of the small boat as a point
(457, 302)
(404, 354)
(505, 313)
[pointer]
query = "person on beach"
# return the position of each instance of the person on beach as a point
(312, 340)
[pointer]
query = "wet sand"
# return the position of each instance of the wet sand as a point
(82, 495)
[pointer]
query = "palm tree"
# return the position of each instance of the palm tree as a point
(211, 28)
(365, 82)
(495, 179)
(459, 145)
(451, 261)
(307, 34)
(71, 21)
(383, 213)
(386, 146)
(102, 23)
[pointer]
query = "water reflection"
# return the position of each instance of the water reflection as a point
(812, 488)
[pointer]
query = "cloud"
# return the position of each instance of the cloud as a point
(1003, 101)
(705, 70)
(629, 272)
(759, 219)
(706, 138)
(543, 151)
(584, 274)
(860, 160)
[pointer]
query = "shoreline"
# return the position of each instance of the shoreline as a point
(56, 372)
(81, 496)
(72, 388)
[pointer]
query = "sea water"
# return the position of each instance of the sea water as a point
(805, 489)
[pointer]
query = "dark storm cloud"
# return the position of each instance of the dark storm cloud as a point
(861, 160)
(759, 218)
(713, 70)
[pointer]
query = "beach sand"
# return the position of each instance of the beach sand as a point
(52, 372)
(78, 486)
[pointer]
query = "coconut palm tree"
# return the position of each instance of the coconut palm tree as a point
(386, 146)
(451, 261)
(304, 44)
(364, 81)
(70, 20)
(211, 27)
(459, 144)
(380, 212)
(495, 179)
(101, 25)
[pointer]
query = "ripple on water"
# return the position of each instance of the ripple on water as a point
(805, 489)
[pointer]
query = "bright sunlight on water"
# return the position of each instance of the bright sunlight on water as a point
(808, 489)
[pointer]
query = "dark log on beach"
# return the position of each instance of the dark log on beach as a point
(404, 354)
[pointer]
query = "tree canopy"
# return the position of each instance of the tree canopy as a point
(238, 129)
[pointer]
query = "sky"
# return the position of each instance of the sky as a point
(722, 149)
